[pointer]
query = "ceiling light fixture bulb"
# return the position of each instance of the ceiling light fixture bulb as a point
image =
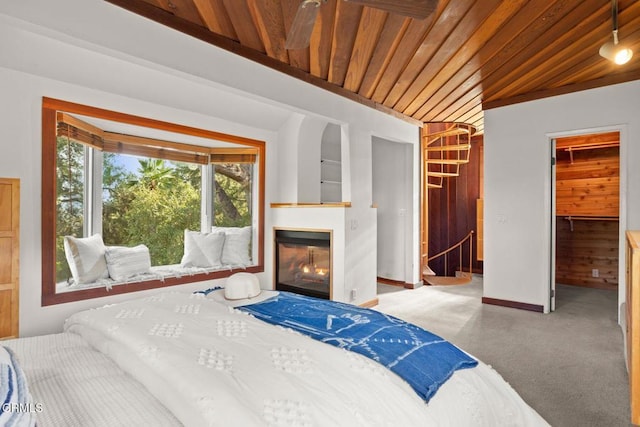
(614, 50)
(623, 56)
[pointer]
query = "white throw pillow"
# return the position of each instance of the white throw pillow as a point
(124, 262)
(202, 249)
(236, 245)
(85, 256)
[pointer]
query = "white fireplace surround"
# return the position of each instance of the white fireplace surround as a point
(353, 248)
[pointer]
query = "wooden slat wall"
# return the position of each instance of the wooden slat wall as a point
(591, 245)
(590, 185)
(452, 212)
(587, 188)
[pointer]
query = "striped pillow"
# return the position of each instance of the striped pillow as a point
(124, 262)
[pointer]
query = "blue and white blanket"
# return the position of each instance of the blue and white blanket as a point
(422, 359)
(17, 408)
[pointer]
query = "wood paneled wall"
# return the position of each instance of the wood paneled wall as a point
(590, 185)
(591, 244)
(587, 208)
(452, 212)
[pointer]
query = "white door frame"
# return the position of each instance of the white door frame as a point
(622, 224)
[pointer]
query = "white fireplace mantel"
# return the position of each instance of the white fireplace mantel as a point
(349, 278)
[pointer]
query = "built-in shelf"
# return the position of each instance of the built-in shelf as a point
(331, 164)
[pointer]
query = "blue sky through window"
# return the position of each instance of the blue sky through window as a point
(128, 162)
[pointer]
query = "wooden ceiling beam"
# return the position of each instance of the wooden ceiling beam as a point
(460, 107)
(583, 49)
(545, 36)
(512, 38)
(471, 96)
(390, 36)
(369, 29)
(611, 79)
(490, 17)
(320, 48)
(583, 52)
(298, 58)
(242, 21)
(530, 61)
(344, 37)
(267, 16)
(157, 3)
(411, 40)
(594, 66)
(185, 9)
(467, 110)
(149, 11)
(472, 113)
(445, 24)
(467, 55)
(215, 17)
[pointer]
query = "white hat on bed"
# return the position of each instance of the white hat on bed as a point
(242, 289)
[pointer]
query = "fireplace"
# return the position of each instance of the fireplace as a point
(303, 262)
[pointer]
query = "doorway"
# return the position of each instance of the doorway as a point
(586, 206)
(393, 190)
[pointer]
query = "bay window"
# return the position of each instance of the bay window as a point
(137, 181)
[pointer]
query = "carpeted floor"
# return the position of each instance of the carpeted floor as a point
(568, 365)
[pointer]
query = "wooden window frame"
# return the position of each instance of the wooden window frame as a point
(50, 110)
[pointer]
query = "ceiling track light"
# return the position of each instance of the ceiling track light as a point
(614, 50)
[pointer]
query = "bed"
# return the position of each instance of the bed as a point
(190, 359)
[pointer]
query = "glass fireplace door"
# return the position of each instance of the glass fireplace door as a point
(303, 262)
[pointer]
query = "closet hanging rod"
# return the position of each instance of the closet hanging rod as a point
(592, 146)
(591, 218)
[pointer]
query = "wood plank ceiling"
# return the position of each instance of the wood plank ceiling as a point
(467, 57)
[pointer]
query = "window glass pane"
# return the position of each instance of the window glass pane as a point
(70, 206)
(233, 189)
(150, 201)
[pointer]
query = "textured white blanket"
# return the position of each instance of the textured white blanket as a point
(212, 365)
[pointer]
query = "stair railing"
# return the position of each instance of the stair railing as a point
(469, 237)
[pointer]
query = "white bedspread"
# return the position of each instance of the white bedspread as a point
(212, 365)
(77, 386)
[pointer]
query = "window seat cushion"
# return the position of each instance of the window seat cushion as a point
(159, 272)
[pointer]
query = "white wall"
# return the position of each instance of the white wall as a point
(288, 158)
(309, 144)
(69, 50)
(518, 182)
(20, 108)
(393, 195)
